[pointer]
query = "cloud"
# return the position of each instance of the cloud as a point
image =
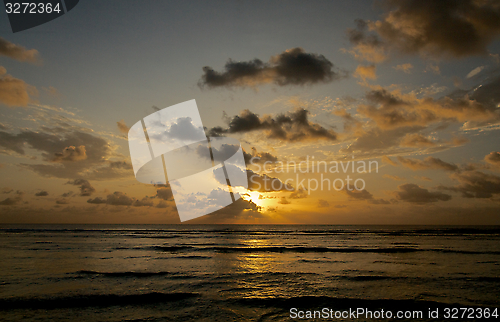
(162, 204)
(122, 127)
(144, 202)
(83, 154)
(259, 157)
(475, 184)
(422, 178)
(256, 181)
(374, 142)
(13, 91)
(68, 194)
(358, 194)
(52, 91)
(299, 194)
(487, 94)
(323, 203)
(86, 188)
(164, 192)
(474, 72)
(433, 69)
(284, 201)
(390, 110)
(429, 163)
(405, 68)
(493, 158)
(293, 126)
(428, 28)
(411, 192)
(62, 201)
(239, 211)
(7, 190)
(364, 195)
(351, 124)
(119, 198)
(97, 201)
(292, 67)
(416, 140)
(18, 52)
(365, 72)
(42, 193)
(386, 159)
(13, 200)
(71, 153)
(265, 183)
(396, 178)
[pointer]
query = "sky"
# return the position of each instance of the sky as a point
(409, 86)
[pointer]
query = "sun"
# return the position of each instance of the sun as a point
(255, 197)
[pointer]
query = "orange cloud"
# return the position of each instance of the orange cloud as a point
(18, 52)
(366, 72)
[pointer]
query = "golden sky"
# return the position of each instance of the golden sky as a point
(320, 91)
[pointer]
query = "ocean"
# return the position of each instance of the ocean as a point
(245, 272)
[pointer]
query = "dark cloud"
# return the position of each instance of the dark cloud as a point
(475, 184)
(323, 203)
(119, 198)
(62, 201)
(259, 157)
(97, 200)
(17, 52)
(13, 200)
(358, 194)
(86, 188)
(68, 194)
(364, 195)
(228, 150)
(265, 183)
(488, 93)
(256, 181)
(164, 192)
(429, 28)
(292, 127)
(411, 192)
(144, 202)
(292, 67)
(239, 211)
(42, 193)
(51, 144)
(494, 159)
(83, 154)
(122, 127)
(428, 163)
(299, 194)
(71, 153)
(162, 204)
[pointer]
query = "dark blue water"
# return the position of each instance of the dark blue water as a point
(240, 273)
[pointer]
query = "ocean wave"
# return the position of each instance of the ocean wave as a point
(125, 274)
(93, 300)
(314, 249)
